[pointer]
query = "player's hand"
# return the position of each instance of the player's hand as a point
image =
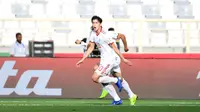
(127, 62)
(79, 63)
(126, 49)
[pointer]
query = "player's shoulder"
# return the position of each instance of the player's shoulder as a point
(92, 33)
(113, 33)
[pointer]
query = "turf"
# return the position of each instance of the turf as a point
(86, 105)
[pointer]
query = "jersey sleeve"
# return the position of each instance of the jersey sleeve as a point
(109, 40)
(113, 34)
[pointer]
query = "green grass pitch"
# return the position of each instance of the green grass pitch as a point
(95, 105)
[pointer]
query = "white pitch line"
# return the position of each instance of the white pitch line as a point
(54, 105)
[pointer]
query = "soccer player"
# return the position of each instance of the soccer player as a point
(109, 59)
(125, 85)
(116, 37)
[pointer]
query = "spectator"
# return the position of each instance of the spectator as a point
(18, 49)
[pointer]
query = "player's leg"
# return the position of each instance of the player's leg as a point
(100, 77)
(111, 90)
(104, 93)
(125, 85)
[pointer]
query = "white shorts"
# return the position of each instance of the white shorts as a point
(106, 67)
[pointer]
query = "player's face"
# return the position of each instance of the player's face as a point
(96, 25)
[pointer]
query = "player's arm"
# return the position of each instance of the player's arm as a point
(87, 53)
(123, 38)
(117, 51)
(119, 54)
(89, 50)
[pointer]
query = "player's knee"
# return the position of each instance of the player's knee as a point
(95, 78)
(95, 67)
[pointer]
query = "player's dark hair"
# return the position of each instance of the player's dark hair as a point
(111, 29)
(97, 18)
(18, 34)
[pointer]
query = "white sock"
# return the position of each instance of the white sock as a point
(111, 90)
(126, 87)
(107, 79)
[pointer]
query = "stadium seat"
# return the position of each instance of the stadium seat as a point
(167, 9)
(86, 1)
(151, 11)
(60, 27)
(102, 12)
(42, 36)
(150, 2)
(39, 1)
(28, 34)
(27, 24)
(119, 11)
(69, 9)
(60, 39)
(157, 26)
(117, 2)
(37, 11)
(21, 10)
(192, 25)
(53, 9)
(183, 11)
(134, 2)
(181, 1)
(194, 37)
(86, 10)
(5, 9)
(196, 8)
(158, 39)
(173, 25)
(11, 25)
(175, 38)
(135, 11)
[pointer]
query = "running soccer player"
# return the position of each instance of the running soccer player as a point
(109, 59)
(125, 85)
(116, 37)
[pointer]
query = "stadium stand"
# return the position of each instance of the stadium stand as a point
(151, 26)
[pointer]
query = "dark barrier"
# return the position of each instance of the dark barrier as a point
(59, 77)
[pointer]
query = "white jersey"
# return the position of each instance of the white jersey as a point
(103, 41)
(113, 34)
